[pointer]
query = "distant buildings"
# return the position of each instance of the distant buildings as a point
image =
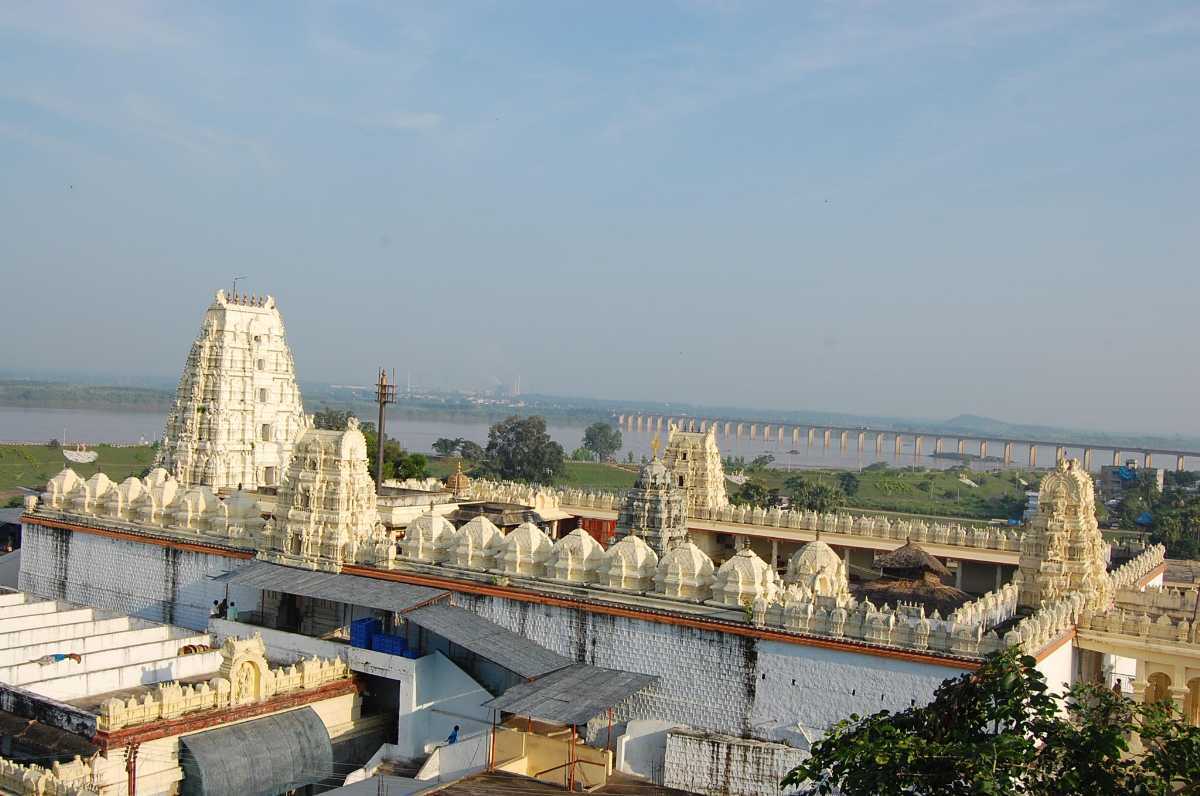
(1114, 481)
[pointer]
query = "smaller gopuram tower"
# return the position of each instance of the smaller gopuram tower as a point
(326, 514)
(695, 462)
(655, 508)
(1062, 550)
(237, 411)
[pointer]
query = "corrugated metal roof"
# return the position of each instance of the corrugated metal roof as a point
(385, 595)
(573, 695)
(262, 757)
(488, 640)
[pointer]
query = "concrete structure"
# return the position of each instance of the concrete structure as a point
(1115, 480)
(237, 411)
(137, 692)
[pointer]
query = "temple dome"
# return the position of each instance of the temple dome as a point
(818, 571)
(575, 557)
(474, 545)
(629, 564)
(524, 551)
(742, 579)
(458, 482)
(685, 572)
(427, 537)
(1066, 489)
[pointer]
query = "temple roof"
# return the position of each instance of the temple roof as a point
(928, 591)
(909, 560)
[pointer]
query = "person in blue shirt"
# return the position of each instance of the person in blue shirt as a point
(453, 738)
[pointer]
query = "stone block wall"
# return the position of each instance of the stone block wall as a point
(725, 766)
(162, 584)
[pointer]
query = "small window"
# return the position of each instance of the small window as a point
(262, 394)
(258, 338)
(683, 456)
(266, 432)
(681, 480)
(262, 364)
(269, 476)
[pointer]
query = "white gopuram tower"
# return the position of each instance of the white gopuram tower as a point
(237, 411)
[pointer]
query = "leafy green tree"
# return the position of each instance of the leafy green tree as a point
(471, 451)
(999, 730)
(760, 463)
(397, 463)
(603, 440)
(848, 482)
(444, 446)
(582, 455)
(332, 419)
(519, 449)
(812, 495)
(751, 493)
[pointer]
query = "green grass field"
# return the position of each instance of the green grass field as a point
(33, 465)
(928, 492)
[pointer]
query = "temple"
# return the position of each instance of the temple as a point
(704, 647)
(237, 410)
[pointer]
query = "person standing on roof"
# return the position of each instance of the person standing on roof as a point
(453, 737)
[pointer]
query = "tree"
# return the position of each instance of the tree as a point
(444, 446)
(999, 730)
(813, 495)
(751, 493)
(397, 463)
(582, 455)
(470, 451)
(759, 463)
(603, 440)
(848, 482)
(519, 449)
(332, 419)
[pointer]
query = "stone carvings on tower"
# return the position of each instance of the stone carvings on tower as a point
(695, 461)
(237, 410)
(1063, 552)
(655, 508)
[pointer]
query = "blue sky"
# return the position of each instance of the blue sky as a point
(914, 208)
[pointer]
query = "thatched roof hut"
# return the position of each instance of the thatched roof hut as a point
(910, 562)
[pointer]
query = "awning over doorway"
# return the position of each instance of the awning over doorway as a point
(384, 595)
(574, 695)
(263, 757)
(488, 640)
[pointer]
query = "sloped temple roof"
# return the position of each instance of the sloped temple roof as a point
(488, 640)
(573, 695)
(384, 595)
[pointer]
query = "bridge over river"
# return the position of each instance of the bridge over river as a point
(900, 442)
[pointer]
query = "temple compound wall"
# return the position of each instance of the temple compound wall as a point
(723, 682)
(149, 581)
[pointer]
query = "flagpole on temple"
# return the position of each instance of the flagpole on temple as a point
(385, 393)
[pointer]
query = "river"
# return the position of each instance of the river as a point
(19, 424)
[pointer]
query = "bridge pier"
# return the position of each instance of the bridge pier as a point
(962, 447)
(1087, 459)
(779, 437)
(1032, 456)
(796, 435)
(844, 438)
(1179, 464)
(879, 444)
(1116, 459)
(982, 448)
(862, 441)
(728, 429)
(1060, 453)
(917, 442)
(1008, 453)
(1149, 460)
(828, 432)
(754, 431)
(812, 436)
(741, 427)
(937, 445)
(899, 444)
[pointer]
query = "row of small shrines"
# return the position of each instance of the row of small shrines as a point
(876, 526)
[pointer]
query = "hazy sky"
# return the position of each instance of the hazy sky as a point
(918, 209)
